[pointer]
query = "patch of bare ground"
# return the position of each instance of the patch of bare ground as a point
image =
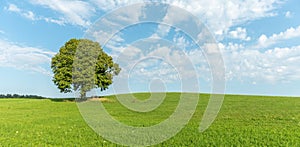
(102, 99)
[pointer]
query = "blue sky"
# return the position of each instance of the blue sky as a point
(259, 42)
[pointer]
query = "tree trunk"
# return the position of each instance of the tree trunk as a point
(82, 96)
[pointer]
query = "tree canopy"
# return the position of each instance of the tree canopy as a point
(81, 64)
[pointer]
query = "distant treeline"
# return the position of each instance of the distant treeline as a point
(20, 96)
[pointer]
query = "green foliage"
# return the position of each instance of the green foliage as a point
(82, 64)
(242, 121)
(20, 96)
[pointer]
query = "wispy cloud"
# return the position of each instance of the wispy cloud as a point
(24, 57)
(108, 5)
(13, 8)
(27, 14)
(32, 16)
(220, 16)
(73, 12)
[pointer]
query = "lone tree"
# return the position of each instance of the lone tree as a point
(81, 64)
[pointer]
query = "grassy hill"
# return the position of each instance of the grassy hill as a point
(243, 120)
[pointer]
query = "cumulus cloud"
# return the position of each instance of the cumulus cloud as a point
(23, 57)
(265, 41)
(155, 60)
(239, 33)
(154, 68)
(181, 42)
(272, 65)
(223, 19)
(219, 16)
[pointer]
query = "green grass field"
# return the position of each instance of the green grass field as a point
(242, 121)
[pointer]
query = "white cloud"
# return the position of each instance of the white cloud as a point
(219, 16)
(265, 41)
(235, 46)
(31, 16)
(22, 57)
(162, 30)
(56, 21)
(288, 14)
(108, 5)
(241, 62)
(262, 39)
(74, 12)
(152, 68)
(107, 29)
(13, 8)
(161, 61)
(210, 48)
(273, 65)
(239, 33)
(113, 43)
(27, 14)
(181, 42)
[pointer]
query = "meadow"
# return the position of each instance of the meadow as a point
(242, 121)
